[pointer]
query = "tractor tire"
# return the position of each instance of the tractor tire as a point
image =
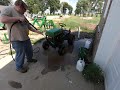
(71, 39)
(61, 51)
(45, 45)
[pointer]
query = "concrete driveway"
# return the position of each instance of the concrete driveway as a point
(51, 72)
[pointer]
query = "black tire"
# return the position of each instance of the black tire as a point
(45, 45)
(61, 51)
(71, 39)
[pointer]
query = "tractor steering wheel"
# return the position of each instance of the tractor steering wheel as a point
(62, 25)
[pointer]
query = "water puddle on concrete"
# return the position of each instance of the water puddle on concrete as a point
(15, 84)
(55, 61)
(50, 69)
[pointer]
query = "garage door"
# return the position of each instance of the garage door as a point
(112, 69)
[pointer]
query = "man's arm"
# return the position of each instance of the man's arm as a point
(7, 19)
(6, 16)
(33, 30)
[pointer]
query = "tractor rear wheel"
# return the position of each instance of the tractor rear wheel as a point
(71, 39)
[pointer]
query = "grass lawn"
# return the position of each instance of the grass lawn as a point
(86, 24)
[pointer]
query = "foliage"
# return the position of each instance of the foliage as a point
(70, 8)
(82, 53)
(31, 5)
(36, 6)
(81, 6)
(88, 6)
(4, 2)
(54, 5)
(93, 73)
(65, 6)
(43, 5)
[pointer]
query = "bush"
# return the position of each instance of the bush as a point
(93, 73)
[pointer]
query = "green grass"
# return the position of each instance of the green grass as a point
(72, 22)
(95, 20)
(75, 21)
(85, 29)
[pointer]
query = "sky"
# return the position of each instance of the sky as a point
(71, 2)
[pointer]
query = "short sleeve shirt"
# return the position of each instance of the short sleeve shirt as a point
(19, 32)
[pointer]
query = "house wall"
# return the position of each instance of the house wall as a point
(100, 27)
(108, 53)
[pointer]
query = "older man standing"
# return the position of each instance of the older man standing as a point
(19, 33)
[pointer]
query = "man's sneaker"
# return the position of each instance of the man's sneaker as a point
(32, 60)
(23, 70)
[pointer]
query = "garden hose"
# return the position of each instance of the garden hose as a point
(10, 38)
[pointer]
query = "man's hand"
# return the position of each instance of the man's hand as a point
(22, 19)
(33, 29)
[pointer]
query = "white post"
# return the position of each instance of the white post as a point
(79, 32)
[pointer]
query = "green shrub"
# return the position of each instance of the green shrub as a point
(93, 73)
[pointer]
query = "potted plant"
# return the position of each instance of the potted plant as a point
(93, 73)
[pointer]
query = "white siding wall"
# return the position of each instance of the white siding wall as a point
(108, 53)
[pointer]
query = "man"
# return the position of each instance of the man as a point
(19, 33)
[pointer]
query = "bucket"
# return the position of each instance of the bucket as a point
(87, 44)
(80, 65)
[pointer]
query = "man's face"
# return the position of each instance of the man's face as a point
(22, 9)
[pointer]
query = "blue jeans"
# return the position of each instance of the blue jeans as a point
(22, 48)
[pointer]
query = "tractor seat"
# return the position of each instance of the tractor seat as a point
(53, 32)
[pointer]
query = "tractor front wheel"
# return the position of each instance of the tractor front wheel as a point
(45, 45)
(61, 51)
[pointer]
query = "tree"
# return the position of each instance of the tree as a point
(35, 6)
(70, 8)
(88, 6)
(100, 5)
(54, 5)
(4, 2)
(78, 8)
(31, 5)
(43, 5)
(65, 6)
(81, 6)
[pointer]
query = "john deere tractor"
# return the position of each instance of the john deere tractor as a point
(55, 37)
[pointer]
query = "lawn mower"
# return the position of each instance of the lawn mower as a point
(55, 37)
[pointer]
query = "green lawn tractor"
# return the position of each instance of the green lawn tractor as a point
(55, 37)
